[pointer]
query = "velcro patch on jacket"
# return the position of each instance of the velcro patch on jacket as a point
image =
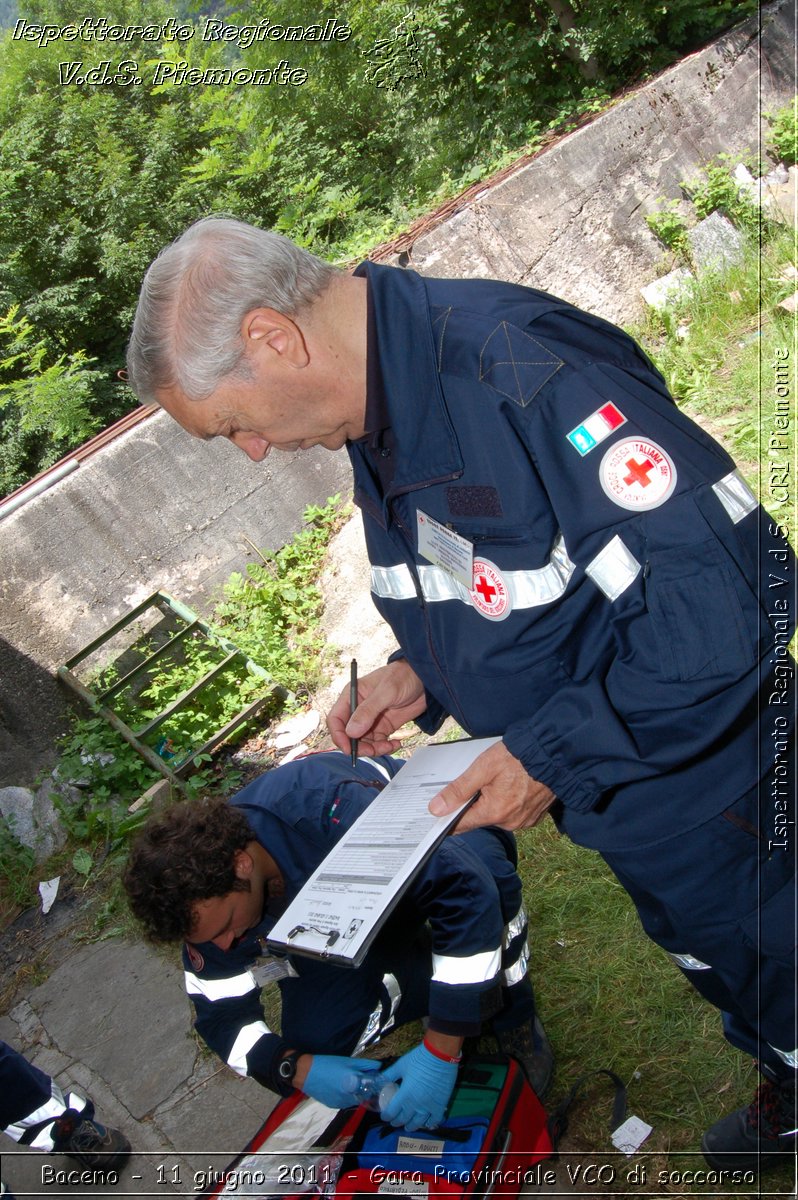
(515, 364)
(473, 501)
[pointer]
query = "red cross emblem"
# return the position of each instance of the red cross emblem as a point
(485, 589)
(489, 594)
(638, 472)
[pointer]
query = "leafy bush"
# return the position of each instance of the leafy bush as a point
(670, 227)
(16, 868)
(784, 135)
(272, 611)
(340, 163)
(716, 191)
(45, 401)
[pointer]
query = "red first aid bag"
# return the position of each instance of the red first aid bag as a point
(494, 1134)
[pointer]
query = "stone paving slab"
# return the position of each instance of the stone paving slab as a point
(112, 1021)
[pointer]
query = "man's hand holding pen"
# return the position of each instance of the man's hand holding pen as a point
(392, 695)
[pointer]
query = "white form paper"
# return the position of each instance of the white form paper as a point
(345, 901)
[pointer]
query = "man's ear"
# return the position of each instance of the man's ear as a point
(267, 329)
(243, 864)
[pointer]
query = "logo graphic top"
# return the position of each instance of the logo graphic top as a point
(489, 594)
(637, 474)
(194, 957)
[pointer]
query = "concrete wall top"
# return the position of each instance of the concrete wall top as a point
(155, 509)
(572, 222)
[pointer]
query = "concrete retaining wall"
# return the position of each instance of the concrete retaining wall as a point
(156, 509)
(572, 222)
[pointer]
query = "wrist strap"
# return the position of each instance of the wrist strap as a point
(441, 1054)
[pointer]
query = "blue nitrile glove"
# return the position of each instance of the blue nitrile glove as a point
(427, 1083)
(332, 1079)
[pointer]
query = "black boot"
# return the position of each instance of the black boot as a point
(529, 1045)
(758, 1137)
(85, 1139)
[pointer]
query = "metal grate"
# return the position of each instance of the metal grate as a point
(189, 624)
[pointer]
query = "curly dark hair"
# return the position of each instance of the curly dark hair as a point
(181, 856)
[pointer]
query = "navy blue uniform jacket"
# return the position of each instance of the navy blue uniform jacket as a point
(298, 813)
(624, 628)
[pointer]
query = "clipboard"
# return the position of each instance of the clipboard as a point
(346, 901)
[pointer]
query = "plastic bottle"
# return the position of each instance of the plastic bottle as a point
(374, 1094)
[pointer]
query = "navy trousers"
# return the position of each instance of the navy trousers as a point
(720, 900)
(329, 1012)
(23, 1088)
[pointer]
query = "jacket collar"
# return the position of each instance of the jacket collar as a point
(426, 447)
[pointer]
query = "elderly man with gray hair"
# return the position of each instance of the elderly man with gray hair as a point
(567, 561)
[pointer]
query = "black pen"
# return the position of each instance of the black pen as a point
(353, 706)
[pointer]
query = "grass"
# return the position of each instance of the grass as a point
(717, 347)
(611, 998)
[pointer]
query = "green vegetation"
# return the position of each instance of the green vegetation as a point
(717, 191)
(17, 868)
(784, 135)
(400, 113)
(611, 998)
(272, 614)
(718, 344)
(670, 227)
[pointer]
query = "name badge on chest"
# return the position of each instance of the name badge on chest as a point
(445, 549)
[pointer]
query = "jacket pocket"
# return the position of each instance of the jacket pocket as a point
(698, 622)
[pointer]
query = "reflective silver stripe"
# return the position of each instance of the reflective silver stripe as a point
(375, 1026)
(790, 1057)
(383, 770)
(220, 989)
(474, 968)
(525, 589)
(735, 495)
(48, 1111)
(613, 569)
(516, 926)
(517, 970)
(393, 583)
(247, 1037)
(687, 962)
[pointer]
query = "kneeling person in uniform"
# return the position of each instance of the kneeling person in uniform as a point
(216, 875)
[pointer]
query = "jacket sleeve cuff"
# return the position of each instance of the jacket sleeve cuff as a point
(568, 789)
(262, 1062)
(461, 1009)
(434, 714)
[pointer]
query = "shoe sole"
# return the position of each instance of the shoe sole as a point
(765, 1161)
